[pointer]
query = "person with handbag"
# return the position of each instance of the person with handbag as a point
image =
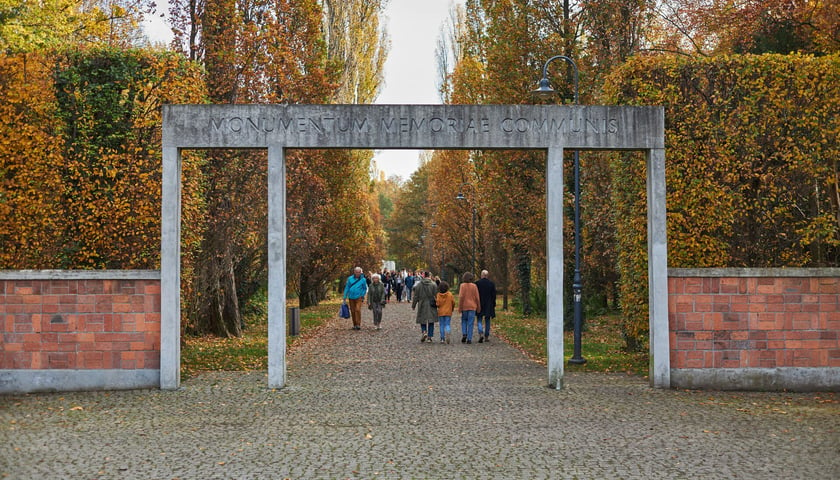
(355, 290)
(376, 299)
(423, 300)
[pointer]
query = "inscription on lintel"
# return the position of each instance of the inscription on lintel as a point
(413, 126)
(327, 125)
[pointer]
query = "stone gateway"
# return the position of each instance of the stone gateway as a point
(276, 128)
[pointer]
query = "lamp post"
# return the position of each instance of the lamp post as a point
(544, 90)
(461, 196)
(441, 272)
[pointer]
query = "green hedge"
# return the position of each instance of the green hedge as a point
(751, 165)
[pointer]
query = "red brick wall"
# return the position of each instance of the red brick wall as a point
(754, 322)
(80, 324)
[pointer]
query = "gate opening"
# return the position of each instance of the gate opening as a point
(437, 127)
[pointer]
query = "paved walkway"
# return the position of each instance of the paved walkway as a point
(379, 404)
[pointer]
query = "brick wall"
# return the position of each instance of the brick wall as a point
(53, 320)
(754, 318)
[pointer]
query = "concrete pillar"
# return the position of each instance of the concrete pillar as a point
(554, 276)
(276, 267)
(660, 359)
(170, 270)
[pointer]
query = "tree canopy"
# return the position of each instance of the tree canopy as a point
(752, 175)
(749, 87)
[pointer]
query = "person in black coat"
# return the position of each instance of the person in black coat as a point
(487, 299)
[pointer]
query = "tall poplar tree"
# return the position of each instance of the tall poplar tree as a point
(341, 228)
(281, 51)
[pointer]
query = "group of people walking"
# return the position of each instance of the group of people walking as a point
(432, 301)
(396, 284)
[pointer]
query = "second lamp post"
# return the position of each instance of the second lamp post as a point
(461, 196)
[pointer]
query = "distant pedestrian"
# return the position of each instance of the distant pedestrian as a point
(487, 305)
(376, 300)
(398, 285)
(389, 285)
(354, 294)
(445, 305)
(423, 299)
(468, 305)
(409, 284)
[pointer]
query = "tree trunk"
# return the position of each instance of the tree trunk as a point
(218, 304)
(308, 294)
(523, 272)
(504, 277)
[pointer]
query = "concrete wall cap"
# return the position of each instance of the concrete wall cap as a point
(79, 274)
(754, 272)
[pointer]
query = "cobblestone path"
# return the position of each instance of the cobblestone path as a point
(380, 404)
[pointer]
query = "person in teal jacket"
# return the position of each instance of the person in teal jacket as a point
(354, 295)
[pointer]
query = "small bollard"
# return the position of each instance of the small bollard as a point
(294, 321)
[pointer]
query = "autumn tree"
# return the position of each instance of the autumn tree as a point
(451, 200)
(714, 27)
(408, 225)
(282, 51)
(31, 212)
(356, 40)
(349, 232)
(256, 52)
(500, 51)
(30, 26)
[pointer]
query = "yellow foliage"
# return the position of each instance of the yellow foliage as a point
(72, 199)
(751, 165)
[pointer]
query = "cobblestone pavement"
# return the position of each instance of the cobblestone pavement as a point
(379, 404)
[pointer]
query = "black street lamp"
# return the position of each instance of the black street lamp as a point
(544, 90)
(441, 272)
(461, 196)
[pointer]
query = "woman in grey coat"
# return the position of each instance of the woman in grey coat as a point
(422, 299)
(376, 299)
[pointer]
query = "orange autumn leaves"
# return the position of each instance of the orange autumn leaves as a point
(80, 191)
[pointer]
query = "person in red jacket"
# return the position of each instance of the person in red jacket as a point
(468, 305)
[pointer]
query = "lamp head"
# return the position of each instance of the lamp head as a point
(460, 196)
(544, 90)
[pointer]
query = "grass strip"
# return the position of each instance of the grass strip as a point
(602, 345)
(250, 351)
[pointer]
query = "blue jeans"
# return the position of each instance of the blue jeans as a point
(445, 329)
(483, 326)
(428, 327)
(467, 320)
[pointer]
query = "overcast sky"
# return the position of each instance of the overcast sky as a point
(410, 71)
